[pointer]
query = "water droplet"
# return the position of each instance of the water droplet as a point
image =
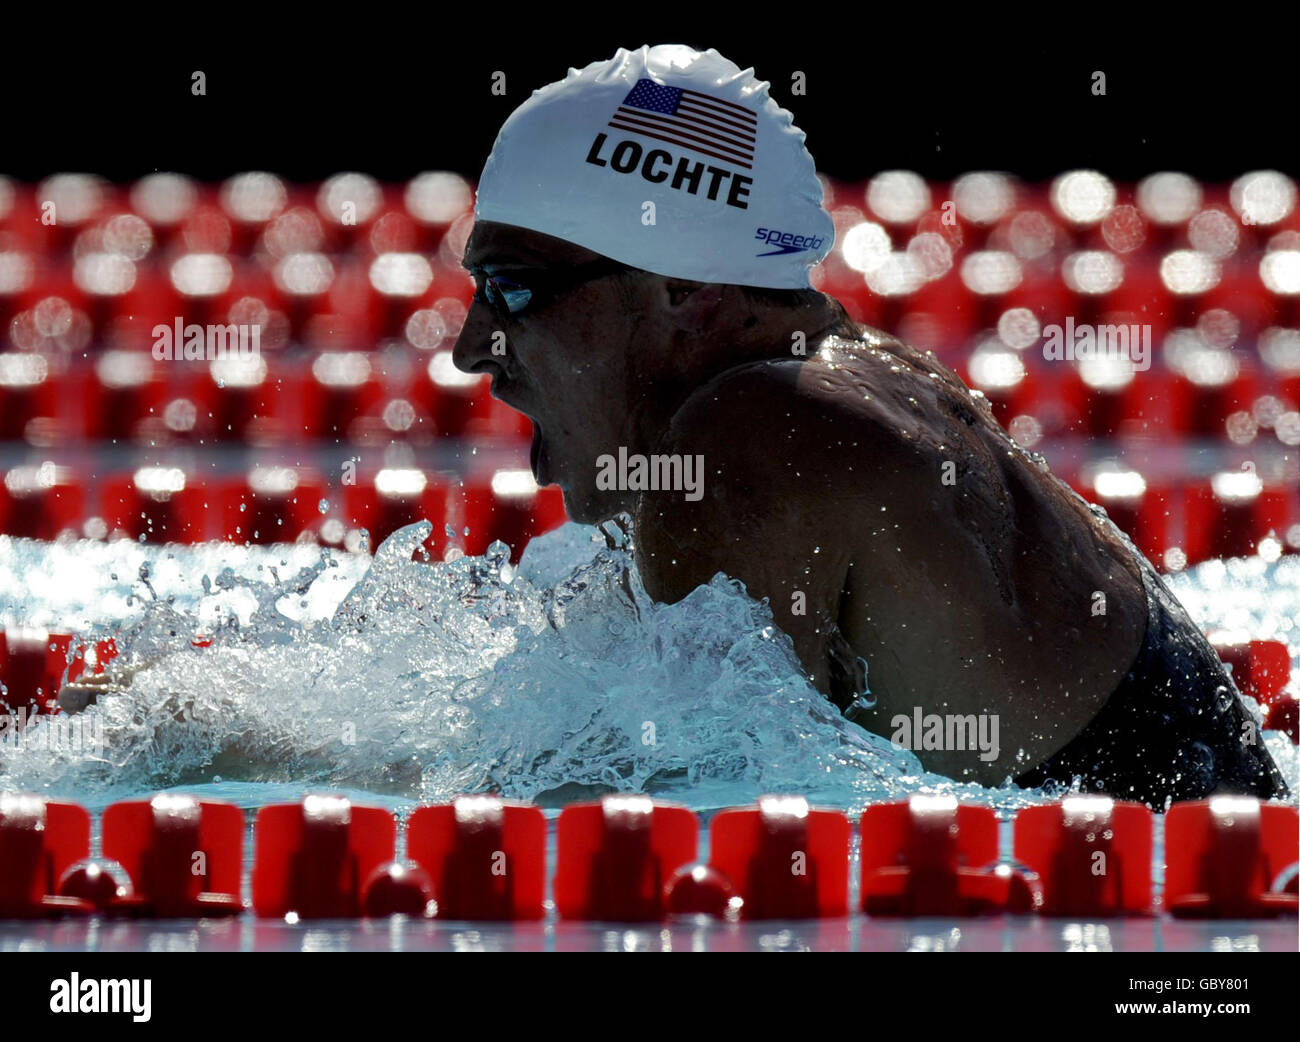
(1223, 699)
(323, 506)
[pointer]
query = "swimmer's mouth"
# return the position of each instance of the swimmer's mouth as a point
(535, 453)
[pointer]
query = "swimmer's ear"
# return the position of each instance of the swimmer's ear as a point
(694, 302)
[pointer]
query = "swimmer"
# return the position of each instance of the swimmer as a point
(643, 239)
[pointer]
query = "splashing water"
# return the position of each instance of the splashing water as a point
(556, 679)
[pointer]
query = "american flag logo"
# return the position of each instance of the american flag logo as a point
(721, 129)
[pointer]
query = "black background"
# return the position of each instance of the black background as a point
(393, 92)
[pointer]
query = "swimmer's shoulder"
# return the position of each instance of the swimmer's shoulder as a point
(821, 414)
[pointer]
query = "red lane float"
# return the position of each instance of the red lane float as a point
(786, 859)
(39, 840)
(486, 857)
(184, 856)
(1231, 857)
(313, 859)
(1091, 854)
(1284, 716)
(700, 890)
(1262, 669)
(395, 888)
(932, 856)
(33, 662)
(614, 857)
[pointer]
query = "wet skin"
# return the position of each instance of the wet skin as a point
(825, 476)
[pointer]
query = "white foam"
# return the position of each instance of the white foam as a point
(422, 682)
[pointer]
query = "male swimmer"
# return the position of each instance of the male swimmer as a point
(643, 238)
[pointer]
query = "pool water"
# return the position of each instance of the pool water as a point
(399, 683)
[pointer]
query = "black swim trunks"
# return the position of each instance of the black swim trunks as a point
(1174, 729)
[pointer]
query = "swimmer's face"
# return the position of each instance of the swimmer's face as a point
(564, 360)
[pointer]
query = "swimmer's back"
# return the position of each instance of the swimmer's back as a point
(957, 567)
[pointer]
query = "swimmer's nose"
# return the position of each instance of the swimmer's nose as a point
(474, 345)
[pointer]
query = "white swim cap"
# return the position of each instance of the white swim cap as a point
(735, 193)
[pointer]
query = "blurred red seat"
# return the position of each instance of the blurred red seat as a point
(41, 501)
(510, 507)
(395, 497)
(1229, 514)
(1140, 508)
(462, 405)
(930, 856)
(1092, 855)
(1228, 856)
(118, 392)
(1207, 386)
(270, 504)
(26, 392)
(184, 856)
(32, 661)
(156, 504)
(340, 387)
(237, 398)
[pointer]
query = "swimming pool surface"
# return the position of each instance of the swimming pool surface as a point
(399, 683)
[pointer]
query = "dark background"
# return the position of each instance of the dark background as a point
(393, 92)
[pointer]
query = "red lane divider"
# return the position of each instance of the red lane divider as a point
(39, 840)
(314, 858)
(700, 890)
(32, 663)
(184, 856)
(785, 859)
(1091, 854)
(1230, 857)
(1284, 716)
(486, 858)
(932, 856)
(631, 859)
(395, 888)
(1260, 668)
(614, 857)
